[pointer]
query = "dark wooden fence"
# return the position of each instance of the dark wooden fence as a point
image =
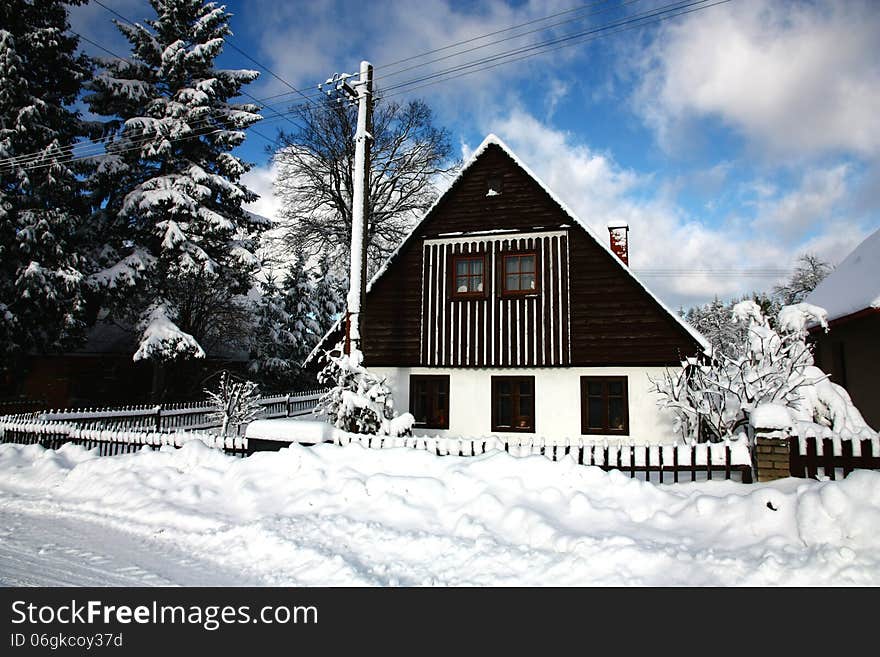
(168, 417)
(833, 458)
(659, 463)
(110, 442)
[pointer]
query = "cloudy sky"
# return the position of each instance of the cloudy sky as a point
(732, 138)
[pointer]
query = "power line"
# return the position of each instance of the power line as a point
(545, 51)
(492, 58)
(639, 20)
(228, 41)
(36, 156)
(516, 36)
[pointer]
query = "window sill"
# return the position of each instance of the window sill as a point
(519, 295)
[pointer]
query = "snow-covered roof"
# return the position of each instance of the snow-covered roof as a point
(854, 285)
(494, 140)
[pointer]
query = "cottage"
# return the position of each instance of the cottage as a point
(850, 351)
(503, 313)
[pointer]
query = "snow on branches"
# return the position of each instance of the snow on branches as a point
(359, 401)
(713, 399)
(162, 340)
(169, 186)
(237, 403)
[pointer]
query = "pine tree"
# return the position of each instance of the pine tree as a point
(329, 296)
(42, 287)
(287, 328)
(168, 194)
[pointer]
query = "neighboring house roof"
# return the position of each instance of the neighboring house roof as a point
(491, 140)
(854, 286)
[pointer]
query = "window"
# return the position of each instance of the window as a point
(604, 405)
(429, 400)
(494, 185)
(468, 274)
(513, 403)
(519, 274)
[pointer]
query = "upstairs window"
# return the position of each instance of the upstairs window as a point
(469, 276)
(494, 185)
(429, 400)
(604, 405)
(520, 274)
(513, 403)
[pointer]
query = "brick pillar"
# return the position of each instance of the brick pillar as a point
(771, 456)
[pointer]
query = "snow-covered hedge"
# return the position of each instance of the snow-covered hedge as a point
(771, 369)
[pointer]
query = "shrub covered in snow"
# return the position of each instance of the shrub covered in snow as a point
(237, 402)
(713, 399)
(359, 401)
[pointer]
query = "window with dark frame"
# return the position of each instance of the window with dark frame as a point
(513, 403)
(604, 405)
(468, 276)
(494, 184)
(429, 400)
(519, 274)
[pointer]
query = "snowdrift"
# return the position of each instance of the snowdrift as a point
(353, 516)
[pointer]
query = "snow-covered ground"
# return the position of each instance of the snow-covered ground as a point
(333, 515)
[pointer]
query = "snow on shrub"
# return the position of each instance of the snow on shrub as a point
(237, 403)
(359, 401)
(713, 399)
(162, 339)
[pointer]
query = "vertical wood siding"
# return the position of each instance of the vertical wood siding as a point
(589, 310)
(496, 331)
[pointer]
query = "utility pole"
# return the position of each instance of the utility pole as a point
(362, 92)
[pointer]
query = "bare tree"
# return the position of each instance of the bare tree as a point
(409, 156)
(809, 272)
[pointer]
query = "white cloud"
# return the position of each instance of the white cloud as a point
(260, 181)
(664, 237)
(793, 78)
(308, 42)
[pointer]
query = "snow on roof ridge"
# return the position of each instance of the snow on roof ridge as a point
(493, 139)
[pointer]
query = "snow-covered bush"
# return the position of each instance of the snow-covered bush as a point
(713, 398)
(359, 401)
(237, 402)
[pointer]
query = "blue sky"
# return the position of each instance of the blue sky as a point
(732, 138)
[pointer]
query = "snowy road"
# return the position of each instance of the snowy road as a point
(335, 516)
(54, 550)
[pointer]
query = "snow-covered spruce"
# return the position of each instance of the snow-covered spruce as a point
(43, 209)
(359, 401)
(167, 193)
(287, 327)
(767, 368)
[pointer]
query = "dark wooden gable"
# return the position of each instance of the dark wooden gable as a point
(613, 320)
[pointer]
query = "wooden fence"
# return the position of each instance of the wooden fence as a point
(110, 442)
(831, 456)
(168, 417)
(661, 463)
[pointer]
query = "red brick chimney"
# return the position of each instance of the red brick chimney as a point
(619, 238)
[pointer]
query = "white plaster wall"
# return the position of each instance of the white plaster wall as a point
(557, 400)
